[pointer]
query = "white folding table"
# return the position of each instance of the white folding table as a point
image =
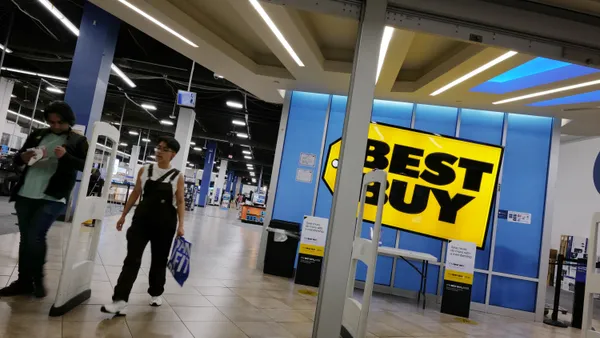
(408, 255)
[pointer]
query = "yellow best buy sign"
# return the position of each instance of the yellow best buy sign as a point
(437, 186)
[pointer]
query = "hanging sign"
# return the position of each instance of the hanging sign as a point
(437, 186)
(312, 250)
(458, 278)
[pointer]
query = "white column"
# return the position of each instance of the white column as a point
(6, 88)
(183, 135)
(220, 182)
(338, 251)
(133, 161)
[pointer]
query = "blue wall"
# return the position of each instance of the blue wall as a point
(525, 168)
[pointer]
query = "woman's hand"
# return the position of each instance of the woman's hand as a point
(180, 231)
(120, 223)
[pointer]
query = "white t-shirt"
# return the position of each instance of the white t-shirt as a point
(158, 173)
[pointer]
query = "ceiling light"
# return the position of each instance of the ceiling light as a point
(474, 72)
(234, 104)
(252, 174)
(54, 90)
(248, 157)
(27, 118)
(197, 149)
(148, 106)
(281, 92)
(246, 152)
(192, 143)
(123, 144)
(166, 122)
(26, 72)
(564, 122)
(152, 156)
(133, 132)
(242, 135)
(116, 123)
(254, 180)
(8, 50)
(550, 91)
(70, 26)
(276, 31)
(388, 32)
(217, 76)
(158, 23)
(12, 96)
(238, 122)
(122, 75)
(145, 140)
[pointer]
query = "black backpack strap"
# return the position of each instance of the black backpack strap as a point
(174, 175)
(170, 172)
(150, 170)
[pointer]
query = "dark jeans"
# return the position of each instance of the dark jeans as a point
(139, 234)
(35, 219)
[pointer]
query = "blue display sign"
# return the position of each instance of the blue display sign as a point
(186, 99)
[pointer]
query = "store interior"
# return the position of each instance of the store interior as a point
(264, 100)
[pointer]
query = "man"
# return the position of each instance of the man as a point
(157, 217)
(52, 157)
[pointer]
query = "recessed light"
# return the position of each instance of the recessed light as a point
(166, 122)
(474, 72)
(148, 106)
(246, 152)
(54, 90)
(197, 149)
(248, 157)
(158, 23)
(238, 122)
(254, 180)
(242, 135)
(234, 104)
(252, 174)
(388, 32)
(145, 140)
(133, 132)
(263, 14)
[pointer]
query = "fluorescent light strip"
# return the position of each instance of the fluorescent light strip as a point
(548, 92)
(8, 50)
(148, 106)
(388, 32)
(122, 76)
(275, 31)
(26, 72)
(49, 6)
(158, 23)
(474, 72)
(234, 104)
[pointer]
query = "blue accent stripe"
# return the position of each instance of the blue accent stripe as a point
(537, 72)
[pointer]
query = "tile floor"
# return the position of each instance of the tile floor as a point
(225, 296)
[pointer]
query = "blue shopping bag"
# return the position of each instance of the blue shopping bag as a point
(179, 262)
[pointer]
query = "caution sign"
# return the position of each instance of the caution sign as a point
(437, 186)
(312, 250)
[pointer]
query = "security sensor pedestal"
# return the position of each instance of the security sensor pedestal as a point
(354, 321)
(78, 264)
(592, 282)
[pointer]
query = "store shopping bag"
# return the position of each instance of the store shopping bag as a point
(179, 262)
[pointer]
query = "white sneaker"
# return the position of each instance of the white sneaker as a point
(156, 301)
(116, 307)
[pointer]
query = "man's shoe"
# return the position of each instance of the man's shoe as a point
(17, 288)
(116, 307)
(156, 301)
(39, 291)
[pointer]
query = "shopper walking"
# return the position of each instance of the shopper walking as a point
(52, 156)
(155, 220)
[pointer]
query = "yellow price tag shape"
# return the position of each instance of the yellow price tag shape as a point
(437, 186)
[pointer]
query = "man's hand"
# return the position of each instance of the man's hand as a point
(60, 151)
(120, 223)
(180, 231)
(27, 155)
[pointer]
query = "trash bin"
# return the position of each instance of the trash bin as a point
(282, 245)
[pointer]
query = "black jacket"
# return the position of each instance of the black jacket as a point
(63, 180)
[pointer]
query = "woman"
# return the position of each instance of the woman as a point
(155, 220)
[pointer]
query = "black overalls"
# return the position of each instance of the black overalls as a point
(154, 221)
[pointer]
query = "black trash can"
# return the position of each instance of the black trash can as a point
(282, 245)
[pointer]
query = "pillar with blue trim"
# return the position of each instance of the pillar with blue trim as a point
(229, 181)
(90, 70)
(209, 161)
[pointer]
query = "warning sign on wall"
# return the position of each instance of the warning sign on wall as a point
(437, 186)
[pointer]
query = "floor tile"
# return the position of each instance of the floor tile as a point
(159, 330)
(264, 330)
(200, 314)
(215, 330)
(114, 328)
(26, 329)
(187, 300)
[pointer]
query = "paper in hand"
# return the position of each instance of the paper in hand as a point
(40, 154)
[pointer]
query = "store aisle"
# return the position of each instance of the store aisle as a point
(225, 297)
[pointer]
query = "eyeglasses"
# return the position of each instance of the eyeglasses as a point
(162, 150)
